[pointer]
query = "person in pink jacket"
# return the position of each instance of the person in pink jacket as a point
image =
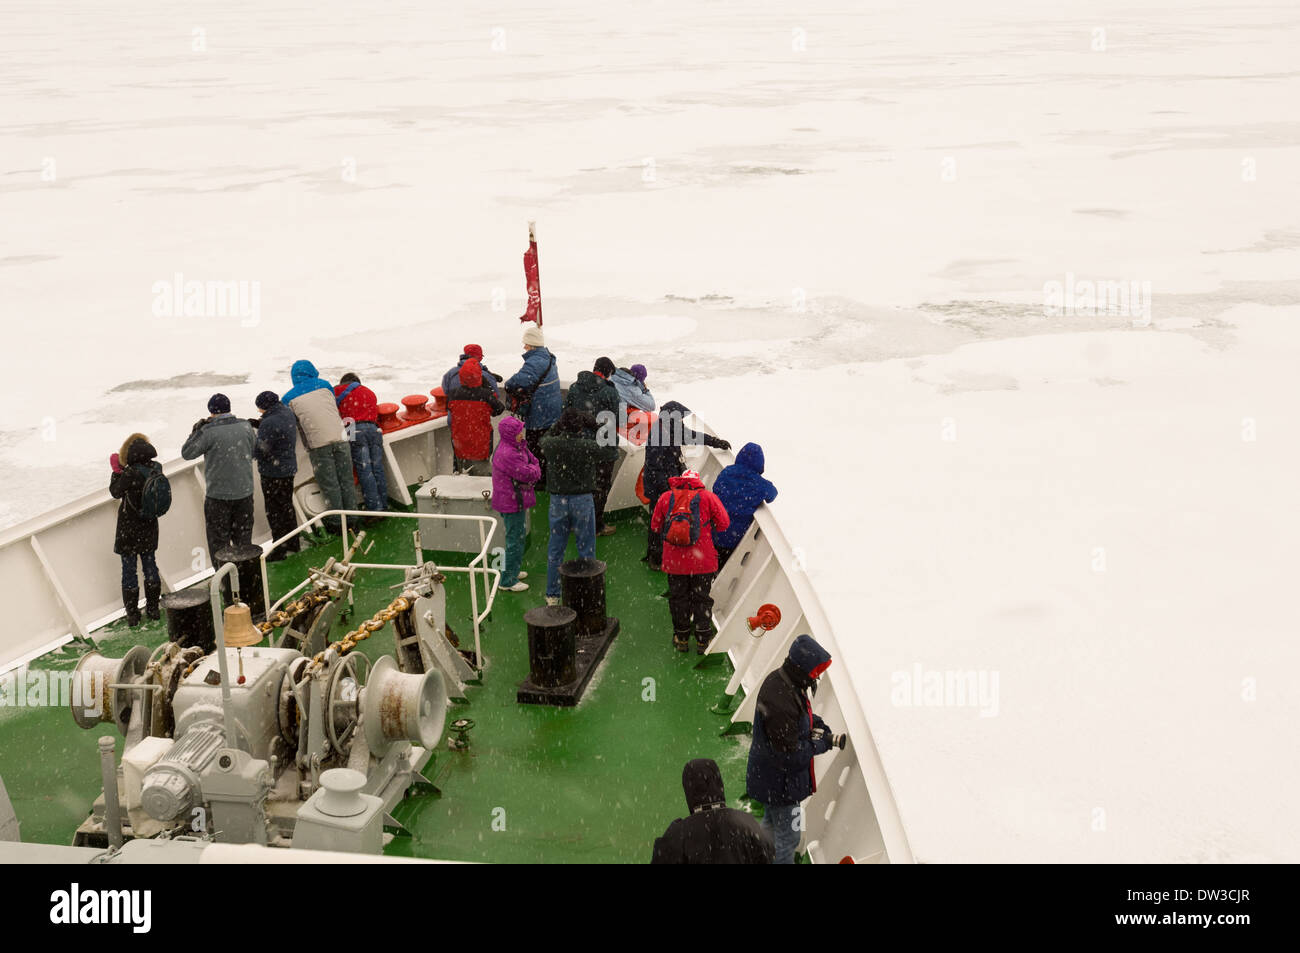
(685, 518)
(515, 470)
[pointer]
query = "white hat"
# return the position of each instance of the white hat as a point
(533, 336)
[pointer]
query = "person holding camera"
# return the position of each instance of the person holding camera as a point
(134, 470)
(225, 442)
(787, 736)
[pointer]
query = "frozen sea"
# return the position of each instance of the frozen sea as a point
(830, 228)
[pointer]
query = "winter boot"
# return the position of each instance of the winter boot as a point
(702, 640)
(682, 641)
(152, 590)
(131, 603)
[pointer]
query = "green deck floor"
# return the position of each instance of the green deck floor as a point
(596, 783)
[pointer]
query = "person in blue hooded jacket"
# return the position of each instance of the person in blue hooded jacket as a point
(312, 401)
(787, 736)
(534, 392)
(742, 490)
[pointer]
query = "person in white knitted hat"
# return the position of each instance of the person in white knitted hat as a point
(534, 391)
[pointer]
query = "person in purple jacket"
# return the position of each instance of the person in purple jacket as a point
(515, 470)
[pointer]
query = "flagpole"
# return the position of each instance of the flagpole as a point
(532, 241)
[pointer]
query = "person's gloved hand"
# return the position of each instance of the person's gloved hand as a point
(255, 421)
(116, 463)
(498, 377)
(724, 445)
(198, 424)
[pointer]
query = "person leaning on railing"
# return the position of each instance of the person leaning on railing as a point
(225, 442)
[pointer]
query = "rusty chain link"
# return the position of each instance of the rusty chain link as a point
(364, 630)
(284, 616)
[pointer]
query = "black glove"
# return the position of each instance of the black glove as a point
(255, 421)
(498, 377)
(723, 445)
(198, 425)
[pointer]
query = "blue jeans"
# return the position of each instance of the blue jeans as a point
(129, 578)
(514, 546)
(780, 821)
(368, 460)
(576, 513)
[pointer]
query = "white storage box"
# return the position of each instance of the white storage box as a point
(462, 496)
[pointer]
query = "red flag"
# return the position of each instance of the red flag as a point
(534, 312)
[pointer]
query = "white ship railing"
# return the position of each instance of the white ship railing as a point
(59, 577)
(853, 813)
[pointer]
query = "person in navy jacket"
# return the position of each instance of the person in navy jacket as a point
(787, 735)
(742, 490)
(535, 392)
(276, 453)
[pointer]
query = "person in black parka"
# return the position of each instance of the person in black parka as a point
(786, 738)
(593, 393)
(136, 536)
(276, 453)
(714, 833)
(663, 461)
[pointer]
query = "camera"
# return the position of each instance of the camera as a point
(836, 741)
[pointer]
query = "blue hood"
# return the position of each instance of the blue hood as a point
(305, 379)
(807, 656)
(751, 457)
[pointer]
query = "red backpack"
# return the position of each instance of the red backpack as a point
(682, 526)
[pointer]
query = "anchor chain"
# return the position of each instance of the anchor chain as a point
(286, 615)
(365, 629)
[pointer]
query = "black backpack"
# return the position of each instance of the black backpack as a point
(156, 494)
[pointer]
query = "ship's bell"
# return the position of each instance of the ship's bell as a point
(239, 630)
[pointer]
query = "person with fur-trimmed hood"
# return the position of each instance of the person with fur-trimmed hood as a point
(787, 736)
(663, 461)
(713, 833)
(137, 534)
(685, 518)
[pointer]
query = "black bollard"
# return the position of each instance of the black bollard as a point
(552, 645)
(583, 582)
(248, 562)
(189, 618)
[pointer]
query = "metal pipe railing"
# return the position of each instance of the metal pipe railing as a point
(477, 566)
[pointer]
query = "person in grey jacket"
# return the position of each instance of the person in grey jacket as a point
(225, 442)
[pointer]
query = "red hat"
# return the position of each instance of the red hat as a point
(471, 375)
(474, 351)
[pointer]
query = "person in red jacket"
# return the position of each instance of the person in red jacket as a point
(685, 518)
(471, 406)
(359, 409)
